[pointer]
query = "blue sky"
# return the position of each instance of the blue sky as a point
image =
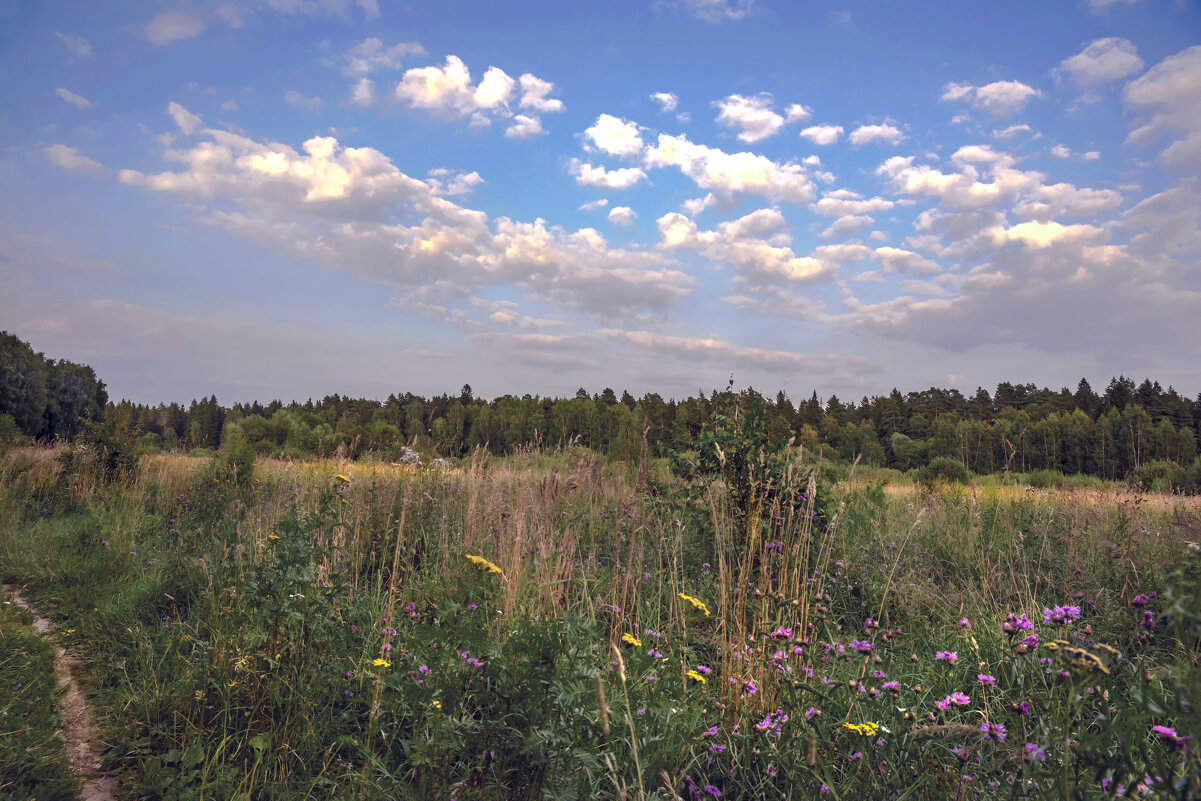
(290, 198)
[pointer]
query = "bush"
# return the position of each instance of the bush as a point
(942, 470)
(1161, 476)
(235, 461)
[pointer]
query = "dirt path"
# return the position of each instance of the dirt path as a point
(83, 747)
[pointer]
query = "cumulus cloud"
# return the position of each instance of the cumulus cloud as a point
(964, 188)
(313, 105)
(186, 121)
(741, 243)
(1013, 130)
(591, 175)
(171, 26)
(78, 101)
(614, 136)
(446, 181)
(71, 159)
(843, 202)
(896, 260)
(78, 45)
(712, 10)
(718, 351)
(732, 173)
(524, 127)
(353, 209)
(846, 225)
(362, 93)
(755, 118)
(1168, 100)
(1103, 61)
(594, 205)
(622, 215)
(370, 55)
(823, 134)
(887, 134)
(1000, 98)
(449, 93)
(666, 100)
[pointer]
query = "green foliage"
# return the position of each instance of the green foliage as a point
(235, 461)
(47, 398)
(10, 432)
(943, 470)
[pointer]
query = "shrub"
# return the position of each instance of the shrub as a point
(942, 470)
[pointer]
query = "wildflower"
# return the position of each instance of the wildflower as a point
(696, 603)
(471, 607)
(654, 653)
(1061, 615)
(382, 663)
(424, 670)
(692, 674)
(861, 646)
(867, 729)
(483, 564)
(704, 669)
(986, 680)
(437, 704)
(812, 712)
(711, 790)
(632, 640)
(947, 656)
(1033, 752)
(957, 698)
(1013, 624)
(964, 624)
(341, 477)
(750, 687)
(993, 730)
(387, 646)
(1169, 735)
(1140, 600)
(1148, 621)
(891, 686)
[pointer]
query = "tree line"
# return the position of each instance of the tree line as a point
(1016, 427)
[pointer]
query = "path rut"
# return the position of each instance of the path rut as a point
(83, 746)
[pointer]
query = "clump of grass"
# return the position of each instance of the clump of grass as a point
(33, 754)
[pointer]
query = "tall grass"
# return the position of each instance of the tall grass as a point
(318, 632)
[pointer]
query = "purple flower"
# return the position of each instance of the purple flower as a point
(1013, 624)
(862, 647)
(1169, 735)
(892, 686)
(424, 669)
(1061, 615)
(704, 669)
(1148, 621)
(1024, 708)
(994, 730)
(1140, 600)
(947, 656)
(1035, 752)
(986, 680)
(711, 790)
(964, 624)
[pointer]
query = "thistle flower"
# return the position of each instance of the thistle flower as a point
(993, 730)
(986, 680)
(947, 656)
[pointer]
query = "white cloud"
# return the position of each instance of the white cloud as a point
(1169, 98)
(1013, 130)
(1061, 152)
(614, 136)
(888, 134)
(823, 134)
(594, 205)
(755, 118)
(667, 100)
(534, 93)
(962, 189)
(1000, 98)
(1065, 199)
(76, 44)
(591, 175)
(454, 182)
(1037, 235)
(75, 100)
(622, 215)
(229, 105)
(314, 105)
(524, 127)
(324, 7)
(71, 159)
(170, 26)
(896, 260)
(845, 226)
(1101, 4)
(692, 350)
(842, 202)
(352, 209)
(732, 173)
(713, 10)
(1103, 61)
(370, 55)
(362, 93)
(186, 121)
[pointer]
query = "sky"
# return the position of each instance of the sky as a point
(293, 198)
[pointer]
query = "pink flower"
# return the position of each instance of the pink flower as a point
(947, 656)
(986, 680)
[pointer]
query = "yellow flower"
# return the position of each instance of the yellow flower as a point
(70, 631)
(343, 478)
(696, 603)
(692, 674)
(483, 564)
(437, 704)
(382, 663)
(866, 729)
(632, 640)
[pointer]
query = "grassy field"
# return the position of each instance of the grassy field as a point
(555, 626)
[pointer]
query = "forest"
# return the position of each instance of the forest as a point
(1128, 430)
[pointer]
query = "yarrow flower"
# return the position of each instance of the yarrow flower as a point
(697, 603)
(483, 564)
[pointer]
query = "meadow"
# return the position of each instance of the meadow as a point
(555, 625)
